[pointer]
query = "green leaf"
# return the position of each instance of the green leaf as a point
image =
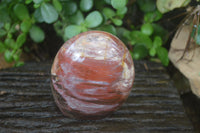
(36, 34)
(2, 32)
(9, 43)
(139, 52)
(38, 15)
(2, 47)
(108, 28)
(1, 24)
(21, 11)
(86, 5)
(117, 22)
(13, 28)
(122, 11)
(152, 16)
(71, 31)
(4, 16)
(186, 2)
(58, 26)
(93, 19)
(57, 5)
(9, 35)
(8, 56)
(77, 18)
(16, 57)
(25, 25)
(108, 1)
(99, 4)
(140, 38)
(49, 13)
(160, 31)
(84, 29)
(108, 13)
(147, 29)
(36, 5)
(147, 5)
(37, 1)
(18, 64)
(7, 26)
(28, 1)
(152, 51)
(20, 40)
(157, 41)
(163, 55)
(123, 34)
(117, 4)
(69, 8)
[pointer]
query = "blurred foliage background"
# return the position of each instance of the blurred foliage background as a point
(26, 24)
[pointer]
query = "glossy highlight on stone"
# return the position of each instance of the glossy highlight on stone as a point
(92, 75)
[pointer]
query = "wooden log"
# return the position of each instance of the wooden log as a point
(27, 105)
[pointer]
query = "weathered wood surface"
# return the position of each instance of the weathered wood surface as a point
(27, 105)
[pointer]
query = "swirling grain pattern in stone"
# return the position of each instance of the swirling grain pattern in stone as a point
(92, 75)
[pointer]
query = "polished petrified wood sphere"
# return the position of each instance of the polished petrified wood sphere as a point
(92, 75)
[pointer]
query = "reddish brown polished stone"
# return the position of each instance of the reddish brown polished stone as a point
(92, 75)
